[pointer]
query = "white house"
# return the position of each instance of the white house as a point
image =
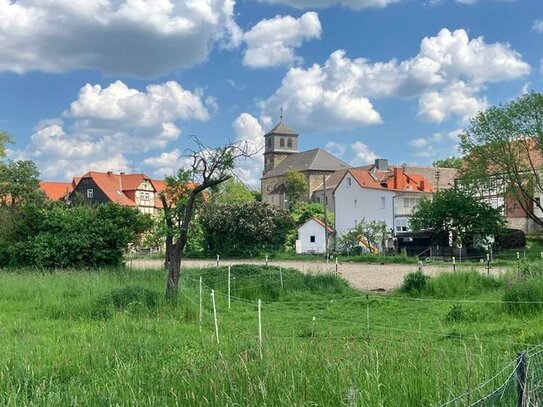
(312, 237)
(373, 195)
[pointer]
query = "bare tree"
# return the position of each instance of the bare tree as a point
(209, 167)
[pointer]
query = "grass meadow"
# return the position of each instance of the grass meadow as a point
(108, 338)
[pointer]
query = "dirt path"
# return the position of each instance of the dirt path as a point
(362, 276)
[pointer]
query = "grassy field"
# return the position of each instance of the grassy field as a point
(108, 338)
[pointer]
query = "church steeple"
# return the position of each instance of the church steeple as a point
(280, 142)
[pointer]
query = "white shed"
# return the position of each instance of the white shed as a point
(311, 237)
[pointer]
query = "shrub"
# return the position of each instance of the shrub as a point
(510, 239)
(458, 313)
(461, 284)
(130, 298)
(414, 282)
(523, 296)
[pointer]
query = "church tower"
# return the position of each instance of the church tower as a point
(280, 142)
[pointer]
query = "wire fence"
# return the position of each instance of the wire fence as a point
(518, 383)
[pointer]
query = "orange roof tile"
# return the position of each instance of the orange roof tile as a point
(111, 186)
(391, 180)
(56, 190)
(320, 222)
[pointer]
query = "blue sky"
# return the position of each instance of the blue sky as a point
(121, 84)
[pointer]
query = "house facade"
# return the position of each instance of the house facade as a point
(133, 190)
(312, 237)
(376, 195)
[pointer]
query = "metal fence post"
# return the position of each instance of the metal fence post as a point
(521, 380)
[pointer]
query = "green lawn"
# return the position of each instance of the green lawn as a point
(65, 342)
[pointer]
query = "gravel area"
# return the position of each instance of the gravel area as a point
(368, 277)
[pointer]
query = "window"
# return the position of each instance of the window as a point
(282, 142)
(289, 143)
(312, 239)
(326, 200)
(355, 203)
(318, 200)
(349, 181)
(355, 223)
(383, 202)
(538, 201)
(269, 142)
(401, 225)
(90, 193)
(145, 196)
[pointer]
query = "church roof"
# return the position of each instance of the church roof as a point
(310, 160)
(282, 128)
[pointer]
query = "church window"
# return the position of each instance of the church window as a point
(289, 143)
(269, 142)
(282, 142)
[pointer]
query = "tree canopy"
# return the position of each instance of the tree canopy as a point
(503, 149)
(295, 187)
(457, 213)
(449, 162)
(233, 192)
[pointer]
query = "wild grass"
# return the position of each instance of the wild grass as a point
(324, 343)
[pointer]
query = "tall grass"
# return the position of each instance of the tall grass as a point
(319, 347)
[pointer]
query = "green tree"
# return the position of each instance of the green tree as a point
(457, 213)
(209, 168)
(366, 235)
(19, 183)
(5, 139)
(449, 162)
(233, 192)
(54, 235)
(303, 211)
(503, 150)
(245, 229)
(295, 187)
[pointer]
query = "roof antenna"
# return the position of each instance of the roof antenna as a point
(281, 116)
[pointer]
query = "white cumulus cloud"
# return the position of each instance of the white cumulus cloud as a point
(354, 4)
(104, 127)
(272, 42)
(337, 95)
(249, 132)
(135, 37)
(537, 26)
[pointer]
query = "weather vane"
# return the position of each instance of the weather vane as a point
(281, 116)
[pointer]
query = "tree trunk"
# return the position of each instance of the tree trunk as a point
(174, 271)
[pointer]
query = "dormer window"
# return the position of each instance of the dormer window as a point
(289, 143)
(282, 142)
(349, 182)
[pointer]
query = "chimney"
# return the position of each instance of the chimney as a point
(421, 185)
(122, 173)
(381, 164)
(399, 178)
(109, 173)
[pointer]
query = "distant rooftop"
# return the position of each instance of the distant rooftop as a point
(311, 160)
(282, 128)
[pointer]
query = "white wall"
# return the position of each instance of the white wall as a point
(308, 229)
(368, 205)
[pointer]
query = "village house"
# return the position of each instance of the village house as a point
(378, 195)
(134, 190)
(312, 236)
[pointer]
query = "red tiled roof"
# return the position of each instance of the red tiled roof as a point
(320, 222)
(56, 190)
(111, 185)
(398, 180)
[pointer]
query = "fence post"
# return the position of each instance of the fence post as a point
(420, 266)
(201, 308)
(454, 264)
(368, 316)
(260, 327)
(521, 380)
(229, 287)
(518, 261)
(266, 260)
(218, 260)
(281, 276)
(215, 315)
(487, 264)
(337, 271)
